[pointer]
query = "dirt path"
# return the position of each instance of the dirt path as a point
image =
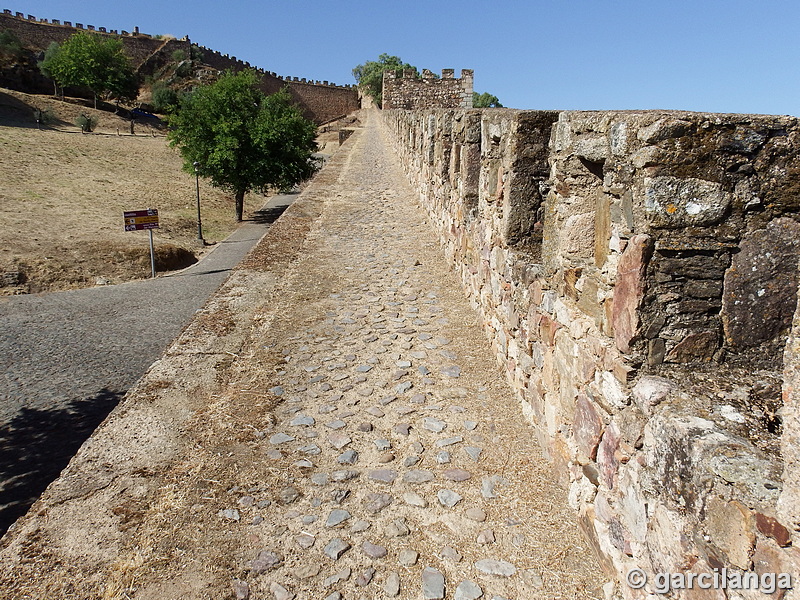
(352, 439)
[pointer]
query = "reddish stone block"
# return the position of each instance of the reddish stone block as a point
(607, 456)
(547, 330)
(629, 290)
(588, 426)
(770, 527)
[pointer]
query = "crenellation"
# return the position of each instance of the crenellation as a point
(412, 92)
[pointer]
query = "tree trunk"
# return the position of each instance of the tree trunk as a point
(239, 204)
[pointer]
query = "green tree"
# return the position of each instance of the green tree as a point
(485, 100)
(48, 62)
(94, 61)
(369, 76)
(241, 139)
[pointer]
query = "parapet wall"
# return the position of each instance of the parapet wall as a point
(410, 92)
(637, 274)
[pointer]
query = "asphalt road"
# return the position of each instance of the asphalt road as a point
(67, 358)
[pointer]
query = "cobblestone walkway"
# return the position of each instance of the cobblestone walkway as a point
(332, 426)
(409, 471)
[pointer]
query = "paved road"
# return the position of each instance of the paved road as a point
(68, 358)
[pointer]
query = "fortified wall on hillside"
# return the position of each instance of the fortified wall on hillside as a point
(637, 274)
(321, 101)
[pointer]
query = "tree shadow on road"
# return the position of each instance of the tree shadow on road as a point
(268, 215)
(37, 444)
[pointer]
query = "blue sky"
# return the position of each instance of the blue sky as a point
(705, 55)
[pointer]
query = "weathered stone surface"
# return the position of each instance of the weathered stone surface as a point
(629, 290)
(588, 426)
(456, 474)
(376, 502)
(761, 285)
(433, 587)
(730, 525)
(265, 561)
(373, 550)
(650, 390)
(392, 584)
(467, 590)
(500, 568)
(695, 347)
(365, 577)
(414, 499)
(241, 590)
(408, 558)
(280, 592)
(383, 475)
(673, 202)
(335, 548)
(417, 476)
(771, 527)
(337, 517)
(448, 498)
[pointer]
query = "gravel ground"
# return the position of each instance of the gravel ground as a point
(68, 357)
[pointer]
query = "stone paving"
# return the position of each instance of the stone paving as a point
(408, 470)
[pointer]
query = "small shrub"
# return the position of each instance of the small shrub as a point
(87, 123)
(184, 69)
(163, 98)
(10, 46)
(179, 55)
(196, 54)
(44, 116)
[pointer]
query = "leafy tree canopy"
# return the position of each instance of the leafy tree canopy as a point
(241, 139)
(485, 100)
(369, 76)
(94, 61)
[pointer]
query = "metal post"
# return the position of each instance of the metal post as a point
(197, 185)
(152, 255)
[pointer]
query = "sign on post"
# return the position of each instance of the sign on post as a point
(139, 220)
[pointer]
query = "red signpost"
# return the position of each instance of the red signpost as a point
(139, 220)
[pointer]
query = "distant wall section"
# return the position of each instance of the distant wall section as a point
(320, 101)
(410, 92)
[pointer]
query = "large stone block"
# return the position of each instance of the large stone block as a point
(730, 528)
(760, 294)
(673, 202)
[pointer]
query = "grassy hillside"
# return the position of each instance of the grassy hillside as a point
(62, 195)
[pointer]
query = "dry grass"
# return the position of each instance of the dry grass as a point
(62, 195)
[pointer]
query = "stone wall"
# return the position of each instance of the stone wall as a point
(320, 101)
(410, 92)
(637, 274)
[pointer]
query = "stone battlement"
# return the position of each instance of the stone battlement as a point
(410, 92)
